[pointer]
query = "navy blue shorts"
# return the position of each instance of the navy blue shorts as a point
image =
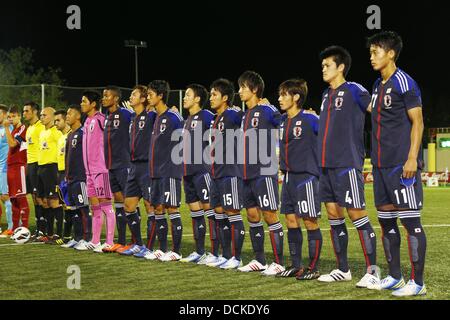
(118, 180)
(342, 186)
(166, 191)
(390, 188)
(139, 182)
(261, 192)
(197, 188)
(300, 195)
(77, 194)
(227, 193)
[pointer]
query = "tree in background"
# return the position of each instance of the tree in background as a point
(20, 80)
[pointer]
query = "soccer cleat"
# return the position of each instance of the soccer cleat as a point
(99, 248)
(57, 240)
(72, 243)
(132, 251)
(368, 279)
(219, 262)
(307, 274)
(335, 276)
(141, 254)
(113, 248)
(273, 269)
(170, 256)
(410, 289)
(253, 265)
(208, 258)
(233, 263)
(149, 255)
(35, 237)
(289, 272)
(123, 248)
(6, 234)
(155, 255)
(193, 257)
(86, 246)
(388, 283)
(79, 244)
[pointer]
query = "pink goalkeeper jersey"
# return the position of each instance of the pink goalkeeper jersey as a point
(93, 151)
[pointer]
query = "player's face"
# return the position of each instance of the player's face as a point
(286, 101)
(2, 116)
(86, 105)
(109, 99)
(135, 98)
(216, 100)
(189, 99)
(27, 113)
(379, 58)
(46, 117)
(329, 69)
(60, 123)
(245, 93)
(153, 99)
(13, 118)
(72, 117)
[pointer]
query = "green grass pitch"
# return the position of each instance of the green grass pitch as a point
(40, 271)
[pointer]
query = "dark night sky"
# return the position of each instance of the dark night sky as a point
(192, 41)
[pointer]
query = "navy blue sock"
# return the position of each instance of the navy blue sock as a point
(68, 222)
(277, 239)
(257, 238)
(121, 222)
(86, 219)
(224, 234)
(134, 222)
(368, 242)
(391, 241)
(315, 248)
(151, 230)
(339, 239)
(295, 240)
(59, 220)
(177, 231)
(161, 231)
(199, 228)
(77, 225)
(213, 232)
(237, 235)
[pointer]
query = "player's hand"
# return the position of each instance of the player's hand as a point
(127, 105)
(6, 123)
(410, 169)
(237, 108)
(263, 102)
(311, 110)
(175, 109)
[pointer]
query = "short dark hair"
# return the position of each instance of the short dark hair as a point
(388, 40)
(77, 108)
(253, 81)
(199, 91)
(93, 96)
(339, 55)
(14, 109)
(63, 113)
(34, 106)
(295, 86)
(115, 90)
(144, 91)
(4, 108)
(226, 88)
(160, 87)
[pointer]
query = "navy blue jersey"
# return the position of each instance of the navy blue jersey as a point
(259, 153)
(74, 156)
(341, 128)
(194, 128)
(140, 135)
(391, 126)
(117, 139)
(161, 146)
(226, 163)
(298, 143)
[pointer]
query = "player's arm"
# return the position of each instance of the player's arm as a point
(369, 108)
(12, 142)
(410, 167)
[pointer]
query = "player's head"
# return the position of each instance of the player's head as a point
(158, 92)
(292, 94)
(336, 62)
(139, 96)
(90, 101)
(31, 110)
(3, 113)
(74, 115)
(60, 119)
(250, 84)
(111, 96)
(196, 94)
(48, 116)
(14, 115)
(222, 93)
(385, 48)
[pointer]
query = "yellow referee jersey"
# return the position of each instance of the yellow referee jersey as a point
(48, 146)
(62, 151)
(33, 133)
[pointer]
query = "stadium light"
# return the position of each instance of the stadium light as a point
(136, 44)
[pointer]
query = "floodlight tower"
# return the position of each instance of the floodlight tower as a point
(136, 44)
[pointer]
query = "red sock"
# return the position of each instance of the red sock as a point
(24, 211)
(15, 213)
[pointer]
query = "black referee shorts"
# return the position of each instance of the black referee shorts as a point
(47, 181)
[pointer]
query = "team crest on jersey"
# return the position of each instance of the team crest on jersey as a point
(116, 123)
(255, 122)
(194, 124)
(44, 145)
(338, 104)
(162, 128)
(221, 126)
(74, 142)
(141, 125)
(92, 126)
(387, 101)
(297, 132)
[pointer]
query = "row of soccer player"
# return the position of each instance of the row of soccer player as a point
(321, 158)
